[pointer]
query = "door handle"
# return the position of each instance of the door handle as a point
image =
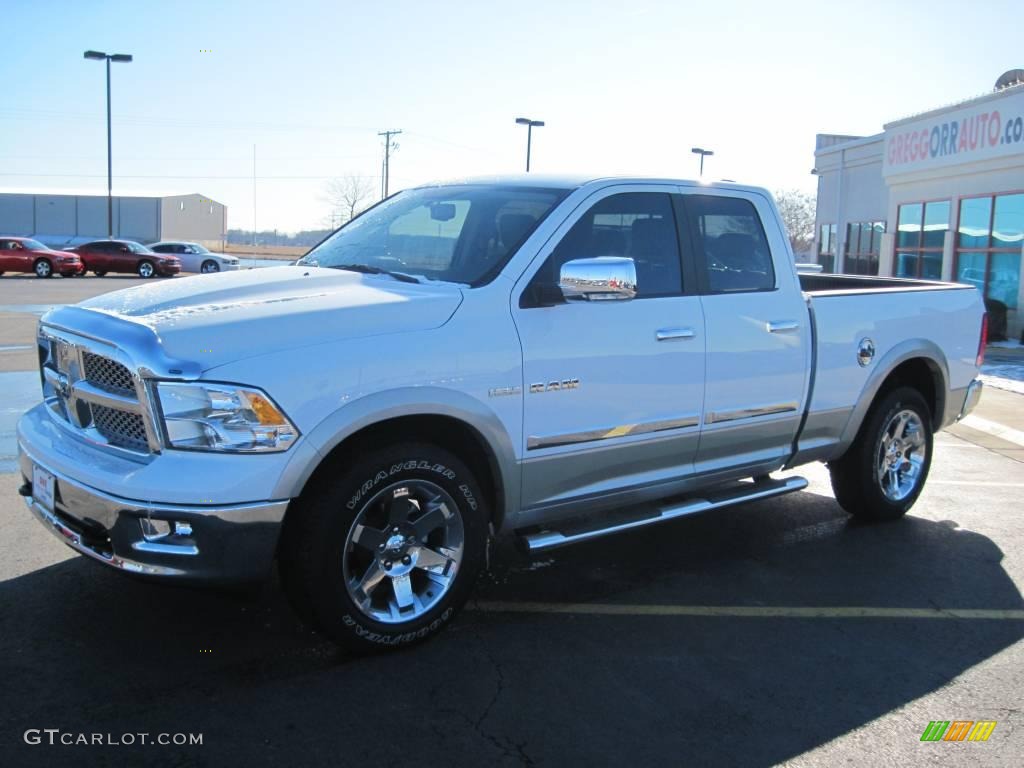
(669, 334)
(782, 326)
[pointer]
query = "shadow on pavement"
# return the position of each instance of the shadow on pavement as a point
(90, 651)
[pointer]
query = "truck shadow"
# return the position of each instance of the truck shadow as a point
(89, 651)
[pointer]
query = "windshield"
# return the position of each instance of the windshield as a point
(136, 248)
(33, 245)
(199, 248)
(462, 234)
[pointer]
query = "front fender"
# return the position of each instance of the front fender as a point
(374, 408)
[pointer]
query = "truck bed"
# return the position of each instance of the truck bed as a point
(825, 284)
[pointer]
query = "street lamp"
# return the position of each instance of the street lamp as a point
(703, 153)
(530, 125)
(123, 57)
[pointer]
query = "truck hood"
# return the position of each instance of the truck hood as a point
(219, 318)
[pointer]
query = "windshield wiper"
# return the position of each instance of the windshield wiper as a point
(367, 269)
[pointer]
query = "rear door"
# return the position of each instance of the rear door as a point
(8, 257)
(758, 329)
(612, 390)
(94, 257)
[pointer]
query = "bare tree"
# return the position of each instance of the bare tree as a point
(347, 195)
(797, 211)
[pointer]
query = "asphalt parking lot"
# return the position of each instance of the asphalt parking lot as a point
(776, 632)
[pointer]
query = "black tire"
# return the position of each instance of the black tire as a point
(43, 268)
(98, 272)
(209, 267)
(857, 481)
(319, 552)
(146, 269)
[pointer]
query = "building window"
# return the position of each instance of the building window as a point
(827, 247)
(863, 240)
(920, 235)
(990, 234)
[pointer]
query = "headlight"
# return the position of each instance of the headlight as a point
(222, 417)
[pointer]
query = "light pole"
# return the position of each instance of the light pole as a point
(530, 125)
(100, 56)
(703, 153)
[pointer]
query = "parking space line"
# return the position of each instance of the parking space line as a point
(982, 483)
(993, 428)
(749, 611)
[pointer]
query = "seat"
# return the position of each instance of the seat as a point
(655, 251)
(512, 228)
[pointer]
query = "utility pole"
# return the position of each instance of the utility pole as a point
(387, 157)
(254, 195)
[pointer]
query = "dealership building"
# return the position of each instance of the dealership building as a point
(64, 220)
(939, 196)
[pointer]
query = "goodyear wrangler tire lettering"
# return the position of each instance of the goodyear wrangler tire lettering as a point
(324, 562)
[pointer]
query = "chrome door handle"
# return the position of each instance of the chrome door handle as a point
(782, 326)
(668, 334)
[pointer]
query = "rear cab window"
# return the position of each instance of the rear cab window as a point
(730, 245)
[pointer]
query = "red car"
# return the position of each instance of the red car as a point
(23, 254)
(104, 256)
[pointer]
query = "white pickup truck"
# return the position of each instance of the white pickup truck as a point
(550, 358)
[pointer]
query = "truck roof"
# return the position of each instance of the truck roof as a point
(573, 181)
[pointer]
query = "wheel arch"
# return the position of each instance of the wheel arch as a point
(916, 363)
(450, 420)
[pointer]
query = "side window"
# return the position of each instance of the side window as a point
(160, 248)
(730, 241)
(638, 225)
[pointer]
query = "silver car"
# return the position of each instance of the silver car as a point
(195, 257)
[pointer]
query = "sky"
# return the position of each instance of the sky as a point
(624, 88)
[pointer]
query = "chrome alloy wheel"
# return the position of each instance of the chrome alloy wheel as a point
(900, 458)
(145, 269)
(403, 551)
(209, 267)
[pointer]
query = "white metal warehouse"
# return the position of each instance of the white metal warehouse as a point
(938, 195)
(61, 220)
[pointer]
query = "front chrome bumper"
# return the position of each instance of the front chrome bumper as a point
(229, 544)
(971, 400)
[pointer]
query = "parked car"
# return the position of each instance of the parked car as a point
(195, 257)
(103, 256)
(553, 360)
(23, 254)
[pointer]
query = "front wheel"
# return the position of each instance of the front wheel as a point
(884, 471)
(145, 269)
(98, 272)
(384, 554)
(43, 268)
(209, 266)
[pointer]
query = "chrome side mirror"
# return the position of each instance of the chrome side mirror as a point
(604, 278)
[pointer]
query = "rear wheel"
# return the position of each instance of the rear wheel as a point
(884, 471)
(145, 268)
(43, 268)
(384, 553)
(98, 272)
(209, 266)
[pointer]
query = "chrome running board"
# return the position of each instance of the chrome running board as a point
(722, 497)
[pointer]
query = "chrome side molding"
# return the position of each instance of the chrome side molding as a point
(605, 433)
(717, 417)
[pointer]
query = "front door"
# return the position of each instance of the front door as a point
(613, 389)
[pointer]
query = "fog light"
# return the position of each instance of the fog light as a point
(154, 529)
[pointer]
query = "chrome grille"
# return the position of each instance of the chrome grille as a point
(106, 373)
(95, 394)
(120, 428)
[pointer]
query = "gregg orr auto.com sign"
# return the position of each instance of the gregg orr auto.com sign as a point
(992, 129)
